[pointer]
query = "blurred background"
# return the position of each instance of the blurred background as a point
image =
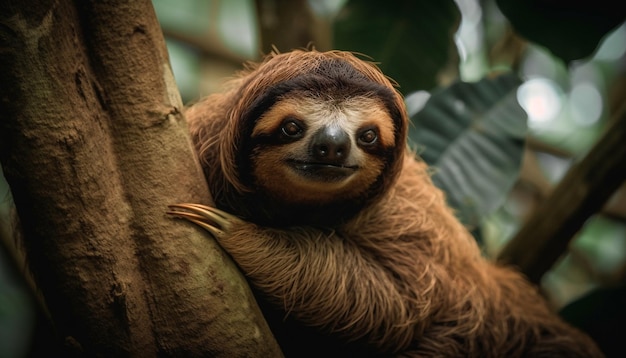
(554, 73)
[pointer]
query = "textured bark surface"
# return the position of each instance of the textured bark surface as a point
(94, 148)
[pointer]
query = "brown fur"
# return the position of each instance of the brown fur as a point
(402, 276)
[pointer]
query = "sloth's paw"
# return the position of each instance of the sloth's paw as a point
(215, 221)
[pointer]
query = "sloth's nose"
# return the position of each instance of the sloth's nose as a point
(330, 145)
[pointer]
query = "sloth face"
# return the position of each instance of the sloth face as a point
(317, 149)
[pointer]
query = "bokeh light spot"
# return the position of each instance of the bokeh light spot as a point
(541, 98)
(585, 104)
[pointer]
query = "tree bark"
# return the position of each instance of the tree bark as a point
(94, 148)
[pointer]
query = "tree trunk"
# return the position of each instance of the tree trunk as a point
(94, 147)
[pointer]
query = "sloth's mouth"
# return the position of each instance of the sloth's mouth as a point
(323, 171)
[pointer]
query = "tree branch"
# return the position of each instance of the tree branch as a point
(580, 194)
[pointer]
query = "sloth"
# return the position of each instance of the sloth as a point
(349, 247)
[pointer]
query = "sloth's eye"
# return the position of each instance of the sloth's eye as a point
(368, 137)
(291, 129)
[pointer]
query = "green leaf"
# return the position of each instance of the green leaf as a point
(411, 40)
(569, 29)
(473, 134)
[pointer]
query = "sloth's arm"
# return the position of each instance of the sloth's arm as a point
(318, 277)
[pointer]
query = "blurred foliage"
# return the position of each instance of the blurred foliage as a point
(412, 41)
(599, 313)
(570, 29)
(17, 312)
(473, 134)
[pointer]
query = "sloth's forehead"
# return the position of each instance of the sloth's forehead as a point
(348, 112)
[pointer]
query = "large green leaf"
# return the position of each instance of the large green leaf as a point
(473, 134)
(570, 29)
(412, 40)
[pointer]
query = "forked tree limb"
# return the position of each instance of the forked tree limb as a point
(94, 148)
(581, 193)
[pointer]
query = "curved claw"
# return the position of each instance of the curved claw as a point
(215, 221)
